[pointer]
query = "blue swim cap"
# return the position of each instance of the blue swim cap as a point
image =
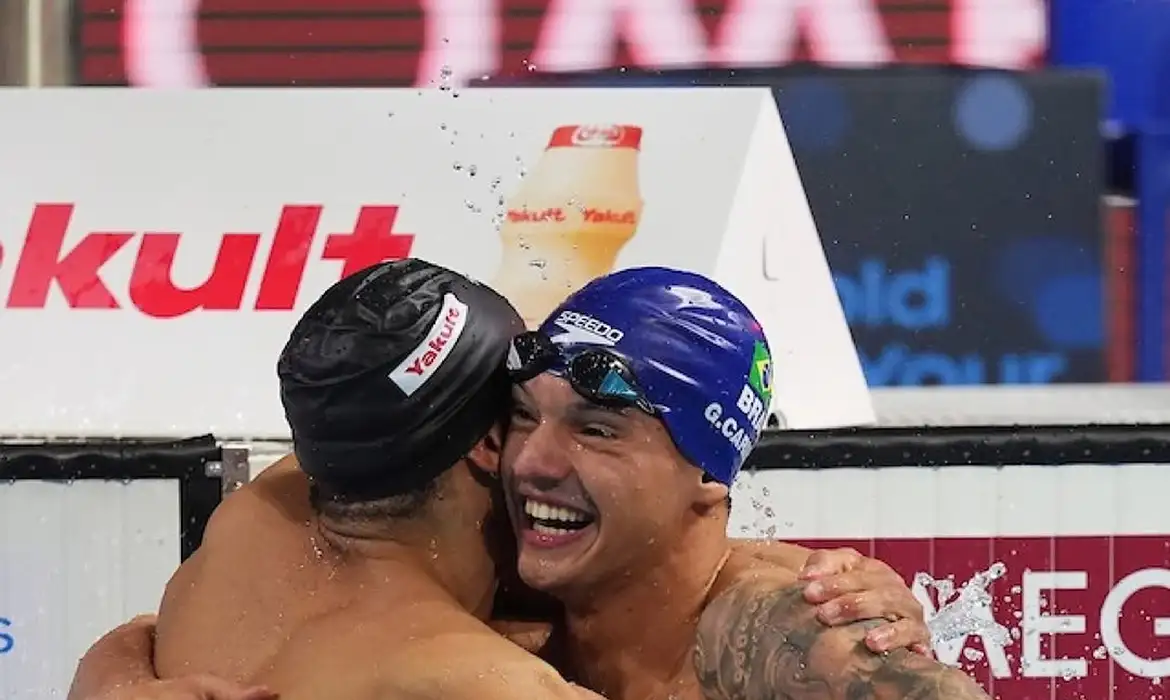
(697, 354)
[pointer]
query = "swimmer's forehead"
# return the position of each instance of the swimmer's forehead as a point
(576, 406)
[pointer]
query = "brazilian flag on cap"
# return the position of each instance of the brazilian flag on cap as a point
(760, 378)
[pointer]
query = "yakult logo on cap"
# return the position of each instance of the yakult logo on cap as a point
(598, 135)
(422, 362)
(584, 329)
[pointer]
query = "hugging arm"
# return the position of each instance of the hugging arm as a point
(121, 658)
(759, 642)
(119, 666)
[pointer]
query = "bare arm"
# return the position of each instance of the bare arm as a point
(121, 658)
(760, 642)
(118, 667)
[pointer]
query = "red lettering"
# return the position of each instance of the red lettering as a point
(416, 367)
(154, 292)
(76, 272)
(152, 288)
(436, 344)
(286, 262)
(609, 216)
(372, 241)
(529, 216)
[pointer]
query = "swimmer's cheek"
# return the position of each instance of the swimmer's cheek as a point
(756, 642)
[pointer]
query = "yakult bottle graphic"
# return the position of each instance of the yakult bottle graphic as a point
(570, 217)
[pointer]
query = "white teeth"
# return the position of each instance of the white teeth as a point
(547, 530)
(545, 511)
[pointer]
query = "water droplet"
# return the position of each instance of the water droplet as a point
(1100, 653)
(970, 611)
(973, 654)
(538, 263)
(472, 170)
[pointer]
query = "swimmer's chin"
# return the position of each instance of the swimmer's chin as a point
(549, 561)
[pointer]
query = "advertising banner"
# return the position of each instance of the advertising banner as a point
(76, 559)
(192, 43)
(1044, 551)
(964, 212)
(1085, 598)
(159, 246)
(960, 213)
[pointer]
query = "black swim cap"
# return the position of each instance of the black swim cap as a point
(393, 375)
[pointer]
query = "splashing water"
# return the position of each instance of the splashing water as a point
(759, 521)
(967, 611)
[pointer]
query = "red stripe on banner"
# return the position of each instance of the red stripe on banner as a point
(276, 7)
(505, 39)
(1120, 297)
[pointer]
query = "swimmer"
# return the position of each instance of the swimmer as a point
(367, 570)
(617, 467)
(394, 388)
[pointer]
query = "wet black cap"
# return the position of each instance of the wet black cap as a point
(393, 375)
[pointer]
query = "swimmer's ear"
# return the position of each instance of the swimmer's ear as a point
(710, 493)
(486, 453)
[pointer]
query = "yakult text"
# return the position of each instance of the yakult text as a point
(44, 260)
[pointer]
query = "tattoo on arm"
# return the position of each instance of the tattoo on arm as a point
(757, 644)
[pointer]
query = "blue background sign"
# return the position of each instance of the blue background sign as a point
(960, 214)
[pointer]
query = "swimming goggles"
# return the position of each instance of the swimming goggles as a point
(598, 374)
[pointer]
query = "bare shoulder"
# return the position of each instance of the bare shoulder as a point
(747, 567)
(782, 554)
(245, 541)
(428, 652)
(760, 639)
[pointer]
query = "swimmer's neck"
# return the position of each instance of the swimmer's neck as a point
(644, 631)
(425, 554)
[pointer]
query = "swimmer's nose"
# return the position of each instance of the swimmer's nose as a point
(542, 460)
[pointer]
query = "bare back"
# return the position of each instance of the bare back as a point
(259, 576)
(264, 599)
(427, 650)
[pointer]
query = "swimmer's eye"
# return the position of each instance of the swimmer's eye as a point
(522, 415)
(599, 431)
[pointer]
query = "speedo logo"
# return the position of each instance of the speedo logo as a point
(424, 360)
(584, 329)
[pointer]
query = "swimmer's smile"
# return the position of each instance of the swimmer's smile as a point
(546, 524)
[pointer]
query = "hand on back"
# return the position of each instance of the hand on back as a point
(848, 587)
